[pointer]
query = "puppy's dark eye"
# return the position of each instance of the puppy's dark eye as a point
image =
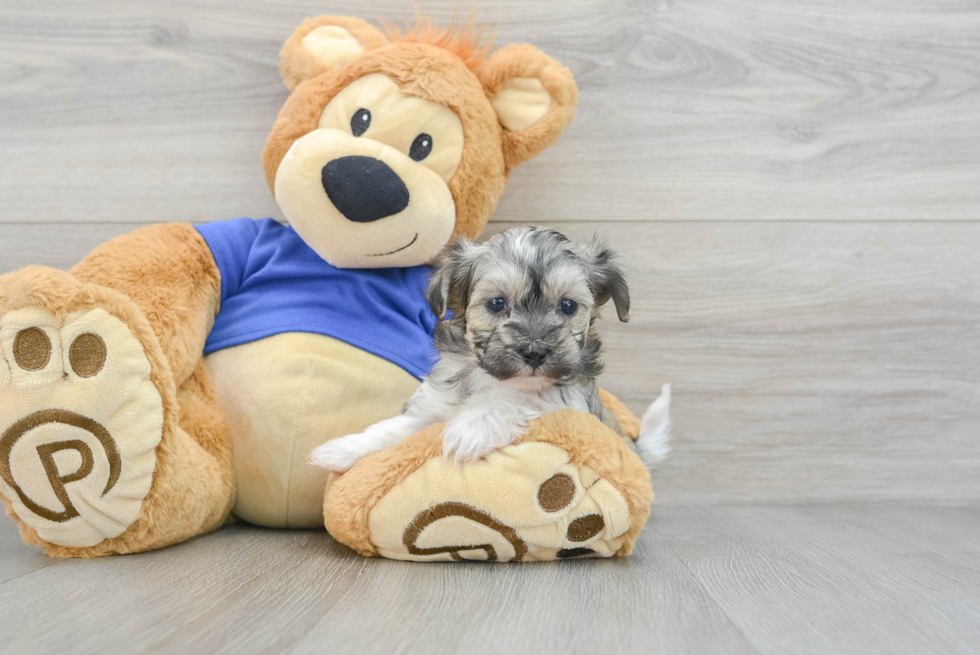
(421, 147)
(360, 122)
(567, 306)
(497, 305)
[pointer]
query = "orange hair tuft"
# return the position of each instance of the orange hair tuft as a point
(462, 38)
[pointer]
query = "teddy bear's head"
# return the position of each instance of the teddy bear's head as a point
(389, 147)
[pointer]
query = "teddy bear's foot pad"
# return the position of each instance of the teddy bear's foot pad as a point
(80, 420)
(522, 503)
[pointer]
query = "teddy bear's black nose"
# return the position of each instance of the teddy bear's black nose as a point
(364, 189)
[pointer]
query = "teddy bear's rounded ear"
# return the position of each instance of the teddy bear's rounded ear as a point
(534, 97)
(323, 43)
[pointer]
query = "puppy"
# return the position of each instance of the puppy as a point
(521, 342)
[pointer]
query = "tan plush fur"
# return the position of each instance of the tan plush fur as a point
(525, 60)
(163, 284)
(297, 64)
(462, 38)
(169, 273)
(590, 443)
(427, 72)
(169, 269)
(351, 497)
(427, 64)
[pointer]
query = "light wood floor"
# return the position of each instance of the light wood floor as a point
(842, 578)
(795, 187)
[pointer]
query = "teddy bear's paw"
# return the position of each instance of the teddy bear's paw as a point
(80, 420)
(522, 503)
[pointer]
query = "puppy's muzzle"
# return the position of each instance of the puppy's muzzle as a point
(364, 189)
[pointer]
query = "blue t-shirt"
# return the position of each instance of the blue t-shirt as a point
(272, 282)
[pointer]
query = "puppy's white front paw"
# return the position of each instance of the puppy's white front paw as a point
(460, 441)
(474, 434)
(338, 455)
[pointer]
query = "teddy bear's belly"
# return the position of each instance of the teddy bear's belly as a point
(284, 395)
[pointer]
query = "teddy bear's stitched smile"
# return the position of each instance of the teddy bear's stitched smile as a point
(414, 239)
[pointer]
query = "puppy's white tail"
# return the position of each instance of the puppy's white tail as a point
(653, 444)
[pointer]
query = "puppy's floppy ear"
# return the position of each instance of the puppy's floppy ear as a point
(323, 43)
(607, 279)
(449, 287)
(534, 97)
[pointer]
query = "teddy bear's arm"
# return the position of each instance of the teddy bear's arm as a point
(169, 272)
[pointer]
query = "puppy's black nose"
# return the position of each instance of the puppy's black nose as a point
(364, 189)
(535, 355)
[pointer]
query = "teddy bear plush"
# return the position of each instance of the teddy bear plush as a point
(180, 375)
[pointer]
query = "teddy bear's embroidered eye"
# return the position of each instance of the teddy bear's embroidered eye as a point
(360, 122)
(421, 147)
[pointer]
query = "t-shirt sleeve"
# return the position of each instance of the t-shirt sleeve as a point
(230, 243)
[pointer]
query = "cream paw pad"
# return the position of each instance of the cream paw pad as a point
(79, 424)
(570, 488)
